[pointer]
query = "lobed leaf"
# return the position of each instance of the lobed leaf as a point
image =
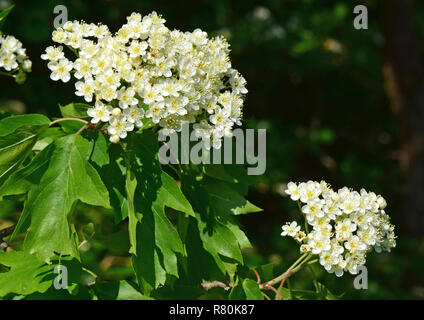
(47, 211)
(18, 135)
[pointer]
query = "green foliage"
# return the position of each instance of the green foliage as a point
(18, 135)
(171, 231)
(343, 129)
(27, 274)
(3, 15)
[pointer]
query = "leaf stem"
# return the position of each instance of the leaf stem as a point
(82, 129)
(7, 74)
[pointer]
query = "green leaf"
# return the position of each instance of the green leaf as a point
(75, 110)
(225, 198)
(88, 231)
(122, 290)
(235, 174)
(46, 138)
(4, 114)
(130, 187)
(26, 274)
(220, 235)
(113, 176)
(69, 178)
(237, 292)
(4, 14)
(252, 290)
(180, 292)
(157, 240)
(100, 155)
(21, 181)
(323, 293)
(18, 135)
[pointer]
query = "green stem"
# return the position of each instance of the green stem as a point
(304, 216)
(290, 271)
(7, 74)
(290, 288)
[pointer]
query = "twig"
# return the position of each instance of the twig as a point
(290, 271)
(277, 294)
(216, 284)
(6, 232)
(257, 275)
(68, 119)
(282, 283)
(82, 129)
(264, 294)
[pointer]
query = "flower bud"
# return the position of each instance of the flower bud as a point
(116, 112)
(114, 138)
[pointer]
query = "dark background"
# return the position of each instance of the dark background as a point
(339, 104)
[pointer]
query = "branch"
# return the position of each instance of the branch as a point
(6, 232)
(216, 284)
(290, 271)
(68, 119)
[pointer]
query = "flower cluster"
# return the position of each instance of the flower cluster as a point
(345, 225)
(13, 58)
(146, 71)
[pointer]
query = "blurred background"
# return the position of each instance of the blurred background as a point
(339, 104)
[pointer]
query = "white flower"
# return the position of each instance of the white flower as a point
(290, 229)
(327, 259)
(126, 97)
(293, 191)
(304, 248)
(60, 70)
(53, 53)
(319, 244)
(152, 94)
(309, 191)
(119, 126)
(100, 112)
(137, 49)
(300, 236)
(176, 105)
(134, 115)
(344, 229)
(82, 68)
(354, 244)
(85, 88)
(313, 210)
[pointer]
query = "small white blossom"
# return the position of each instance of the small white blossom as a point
(290, 229)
